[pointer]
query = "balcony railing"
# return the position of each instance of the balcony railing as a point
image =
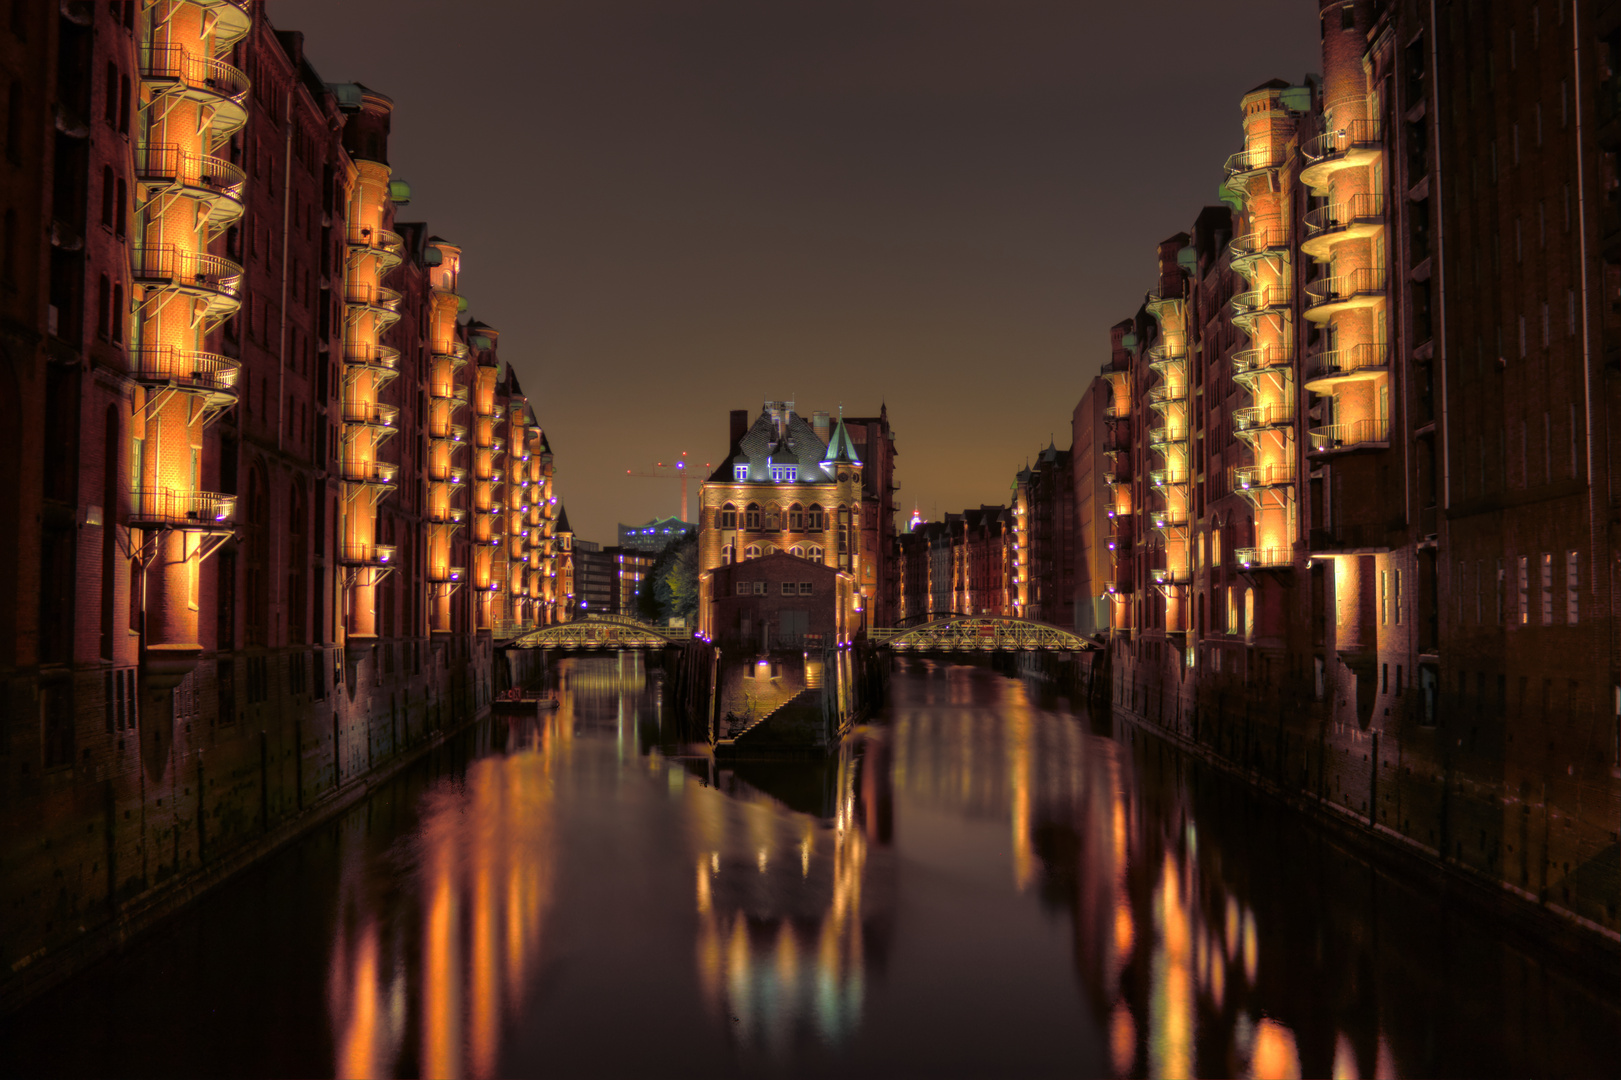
(1256, 301)
(1374, 431)
(452, 432)
(166, 507)
(199, 371)
(380, 240)
(372, 414)
(371, 296)
(204, 176)
(1164, 477)
(1253, 417)
(367, 554)
(1369, 356)
(372, 356)
(1166, 434)
(1366, 281)
(1252, 361)
(1251, 477)
(1168, 392)
(1117, 412)
(198, 75)
(1256, 160)
(1358, 209)
(1169, 518)
(1115, 478)
(369, 472)
(447, 573)
(1257, 243)
(1250, 558)
(1333, 145)
(453, 474)
(1165, 575)
(452, 515)
(169, 266)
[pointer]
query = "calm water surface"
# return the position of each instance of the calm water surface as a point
(983, 883)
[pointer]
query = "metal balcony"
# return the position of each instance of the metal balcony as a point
(370, 414)
(447, 474)
(1357, 218)
(1357, 363)
(1273, 558)
(1167, 477)
(1261, 417)
(1251, 304)
(455, 352)
(212, 181)
(1256, 477)
(1358, 142)
(232, 20)
(447, 515)
(1165, 575)
(388, 248)
(443, 574)
(1360, 288)
(1250, 364)
(378, 300)
(367, 555)
(1253, 247)
(216, 281)
(1167, 393)
(1247, 162)
(167, 508)
(1167, 435)
(1369, 434)
(1169, 518)
(377, 473)
(169, 70)
(208, 374)
(456, 433)
(1163, 303)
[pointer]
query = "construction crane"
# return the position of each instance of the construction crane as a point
(676, 470)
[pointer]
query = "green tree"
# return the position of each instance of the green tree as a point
(682, 579)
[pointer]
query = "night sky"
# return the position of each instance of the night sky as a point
(674, 208)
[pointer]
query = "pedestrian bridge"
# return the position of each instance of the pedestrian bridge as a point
(981, 633)
(601, 633)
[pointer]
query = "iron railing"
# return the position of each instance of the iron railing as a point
(180, 509)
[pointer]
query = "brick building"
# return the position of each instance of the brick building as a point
(1043, 505)
(777, 601)
(962, 565)
(1094, 568)
(240, 569)
(1361, 434)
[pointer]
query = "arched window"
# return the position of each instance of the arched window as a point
(815, 552)
(728, 516)
(753, 515)
(771, 549)
(796, 518)
(726, 554)
(797, 551)
(752, 551)
(813, 520)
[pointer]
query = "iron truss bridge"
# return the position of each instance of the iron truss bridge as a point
(601, 633)
(988, 633)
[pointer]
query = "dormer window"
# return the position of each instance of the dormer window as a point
(785, 474)
(740, 472)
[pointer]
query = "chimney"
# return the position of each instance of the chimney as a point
(820, 425)
(740, 426)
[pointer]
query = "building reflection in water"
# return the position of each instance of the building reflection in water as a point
(484, 855)
(792, 907)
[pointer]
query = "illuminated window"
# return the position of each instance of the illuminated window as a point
(785, 474)
(1547, 588)
(728, 516)
(740, 472)
(1524, 568)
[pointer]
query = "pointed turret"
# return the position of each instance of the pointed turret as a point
(841, 447)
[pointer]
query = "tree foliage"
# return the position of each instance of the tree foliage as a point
(670, 589)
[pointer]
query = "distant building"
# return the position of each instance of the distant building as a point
(656, 535)
(595, 578)
(630, 575)
(962, 565)
(1044, 539)
(1094, 563)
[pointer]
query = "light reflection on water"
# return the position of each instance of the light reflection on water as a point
(982, 882)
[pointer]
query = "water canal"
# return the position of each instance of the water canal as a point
(985, 882)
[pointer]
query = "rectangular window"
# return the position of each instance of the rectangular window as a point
(740, 472)
(1572, 584)
(805, 589)
(785, 474)
(788, 588)
(1397, 597)
(1384, 598)
(1547, 588)
(744, 588)
(1524, 567)
(759, 588)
